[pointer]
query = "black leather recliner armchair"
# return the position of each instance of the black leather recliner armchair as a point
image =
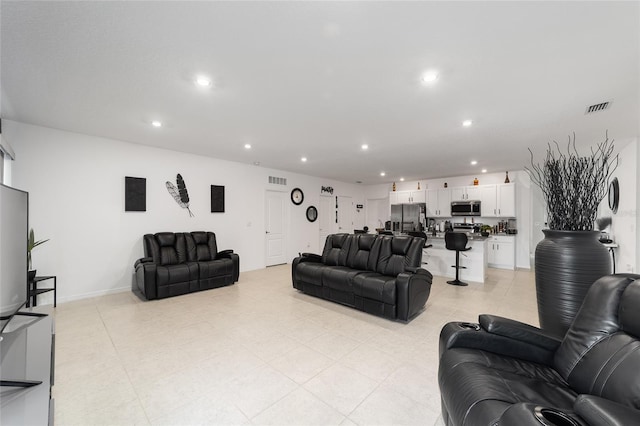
(503, 372)
(180, 263)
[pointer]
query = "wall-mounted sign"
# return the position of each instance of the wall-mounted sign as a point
(326, 189)
(359, 206)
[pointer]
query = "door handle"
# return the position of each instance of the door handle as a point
(266, 232)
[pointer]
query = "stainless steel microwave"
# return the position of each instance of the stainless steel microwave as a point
(465, 208)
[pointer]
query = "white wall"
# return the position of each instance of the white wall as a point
(624, 222)
(76, 188)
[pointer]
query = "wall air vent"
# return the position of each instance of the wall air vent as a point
(597, 107)
(277, 180)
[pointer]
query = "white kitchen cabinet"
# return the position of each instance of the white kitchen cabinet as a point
(498, 200)
(489, 201)
(407, 197)
(464, 193)
(506, 200)
(438, 202)
(501, 251)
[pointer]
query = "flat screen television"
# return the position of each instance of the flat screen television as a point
(14, 230)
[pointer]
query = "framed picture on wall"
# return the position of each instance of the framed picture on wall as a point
(217, 199)
(135, 194)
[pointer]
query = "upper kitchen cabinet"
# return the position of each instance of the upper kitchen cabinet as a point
(464, 193)
(498, 200)
(407, 197)
(438, 203)
(507, 200)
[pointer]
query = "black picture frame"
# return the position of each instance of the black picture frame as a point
(614, 195)
(217, 198)
(312, 213)
(135, 194)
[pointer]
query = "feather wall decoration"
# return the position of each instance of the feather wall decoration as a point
(180, 193)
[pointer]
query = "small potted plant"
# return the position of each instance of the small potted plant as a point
(31, 244)
(485, 230)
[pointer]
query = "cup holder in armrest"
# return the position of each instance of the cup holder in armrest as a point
(469, 325)
(553, 417)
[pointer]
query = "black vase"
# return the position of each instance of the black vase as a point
(567, 263)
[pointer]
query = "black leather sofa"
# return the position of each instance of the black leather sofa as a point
(378, 274)
(503, 372)
(179, 263)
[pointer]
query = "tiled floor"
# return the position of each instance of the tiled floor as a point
(259, 352)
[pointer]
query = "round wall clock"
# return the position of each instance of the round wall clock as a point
(297, 196)
(614, 195)
(312, 214)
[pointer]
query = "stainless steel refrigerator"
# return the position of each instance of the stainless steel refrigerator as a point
(407, 217)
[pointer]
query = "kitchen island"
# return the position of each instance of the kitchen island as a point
(439, 260)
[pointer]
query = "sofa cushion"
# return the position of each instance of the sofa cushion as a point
(601, 351)
(310, 272)
(339, 277)
(479, 385)
(336, 249)
(171, 248)
(375, 286)
(173, 274)
(201, 246)
(215, 268)
(363, 252)
(398, 252)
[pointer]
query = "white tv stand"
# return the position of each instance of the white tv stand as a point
(27, 354)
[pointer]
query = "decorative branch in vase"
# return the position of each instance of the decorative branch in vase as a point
(572, 185)
(570, 258)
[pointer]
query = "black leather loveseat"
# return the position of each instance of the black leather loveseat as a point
(179, 263)
(503, 372)
(379, 274)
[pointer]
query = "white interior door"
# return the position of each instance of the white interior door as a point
(345, 215)
(327, 218)
(275, 232)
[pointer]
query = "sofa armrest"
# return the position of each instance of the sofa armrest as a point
(603, 412)
(223, 254)
(145, 276)
(418, 270)
(143, 260)
(310, 257)
(530, 414)
(473, 336)
(519, 331)
(229, 254)
(412, 292)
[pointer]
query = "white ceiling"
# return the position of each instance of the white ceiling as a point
(318, 79)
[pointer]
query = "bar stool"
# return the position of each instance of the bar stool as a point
(456, 241)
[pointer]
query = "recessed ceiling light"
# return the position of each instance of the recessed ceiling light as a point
(247, 146)
(303, 159)
(156, 123)
(203, 81)
(467, 123)
(364, 147)
(256, 163)
(429, 77)
(382, 173)
(401, 179)
(474, 162)
(484, 170)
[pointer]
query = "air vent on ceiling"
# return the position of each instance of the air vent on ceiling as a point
(597, 107)
(277, 180)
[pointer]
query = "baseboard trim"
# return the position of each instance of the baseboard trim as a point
(93, 294)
